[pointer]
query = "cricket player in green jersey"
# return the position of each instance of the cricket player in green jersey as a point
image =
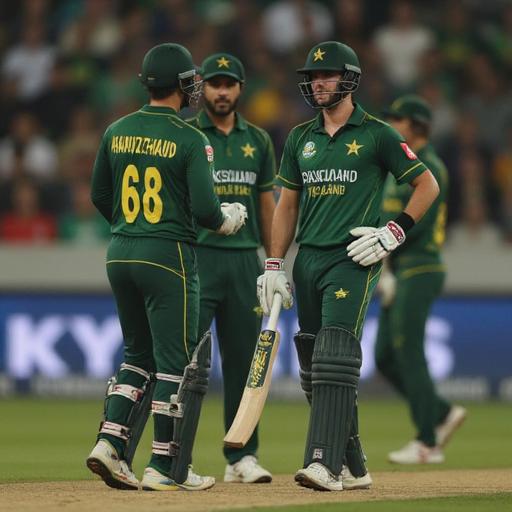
(332, 173)
(152, 181)
(412, 278)
(228, 267)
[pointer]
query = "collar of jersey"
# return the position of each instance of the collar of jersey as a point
(204, 121)
(150, 109)
(355, 119)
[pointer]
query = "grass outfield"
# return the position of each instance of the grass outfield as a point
(57, 435)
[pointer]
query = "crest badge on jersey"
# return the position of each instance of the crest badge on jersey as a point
(411, 155)
(209, 153)
(309, 150)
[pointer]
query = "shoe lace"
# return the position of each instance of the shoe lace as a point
(321, 471)
(193, 478)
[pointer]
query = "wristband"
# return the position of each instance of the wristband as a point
(405, 221)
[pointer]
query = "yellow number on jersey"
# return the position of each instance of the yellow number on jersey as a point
(151, 201)
(440, 225)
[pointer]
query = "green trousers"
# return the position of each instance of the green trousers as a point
(228, 295)
(332, 290)
(400, 350)
(156, 289)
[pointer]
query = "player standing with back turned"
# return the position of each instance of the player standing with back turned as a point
(151, 180)
(332, 173)
(411, 280)
(228, 267)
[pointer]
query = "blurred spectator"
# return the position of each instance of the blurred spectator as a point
(444, 115)
(502, 175)
(96, 30)
(288, 24)
(488, 100)
(37, 153)
(401, 44)
(350, 24)
(81, 142)
(120, 85)
(457, 40)
(84, 225)
(27, 66)
(25, 223)
(497, 36)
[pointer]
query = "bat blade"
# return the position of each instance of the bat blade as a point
(255, 391)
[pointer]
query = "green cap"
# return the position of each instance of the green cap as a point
(222, 64)
(163, 64)
(412, 107)
(331, 56)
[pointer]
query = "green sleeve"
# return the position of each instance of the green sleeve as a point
(268, 167)
(396, 157)
(289, 172)
(102, 191)
(199, 164)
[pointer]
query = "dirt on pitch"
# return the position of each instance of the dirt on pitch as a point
(84, 496)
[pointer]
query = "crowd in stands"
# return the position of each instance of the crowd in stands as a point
(69, 68)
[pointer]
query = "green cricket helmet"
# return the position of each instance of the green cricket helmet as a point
(170, 65)
(331, 56)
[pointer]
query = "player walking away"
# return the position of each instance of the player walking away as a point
(151, 180)
(332, 173)
(228, 267)
(412, 278)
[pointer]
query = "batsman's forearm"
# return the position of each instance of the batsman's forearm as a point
(283, 229)
(425, 192)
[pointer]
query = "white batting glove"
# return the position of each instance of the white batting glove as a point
(374, 244)
(386, 288)
(274, 281)
(235, 215)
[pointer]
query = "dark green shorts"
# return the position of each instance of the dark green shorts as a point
(156, 288)
(332, 290)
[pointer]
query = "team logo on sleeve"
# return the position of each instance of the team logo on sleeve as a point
(209, 153)
(309, 150)
(411, 155)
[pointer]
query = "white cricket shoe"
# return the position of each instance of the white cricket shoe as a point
(105, 462)
(153, 480)
(317, 476)
(195, 482)
(351, 482)
(415, 452)
(452, 422)
(247, 471)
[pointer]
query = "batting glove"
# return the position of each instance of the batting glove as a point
(235, 215)
(374, 244)
(274, 281)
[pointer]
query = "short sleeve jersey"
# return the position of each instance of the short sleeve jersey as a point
(244, 167)
(341, 178)
(154, 171)
(425, 239)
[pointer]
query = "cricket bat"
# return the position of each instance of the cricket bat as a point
(258, 381)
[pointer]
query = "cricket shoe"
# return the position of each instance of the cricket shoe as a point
(153, 480)
(247, 471)
(351, 482)
(452, 422)
(105, 462)
(415, 452)
(317, 476)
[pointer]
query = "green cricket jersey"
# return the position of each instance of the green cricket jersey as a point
(153, 177)
(244, 167)
(341, 178)
(424, 240)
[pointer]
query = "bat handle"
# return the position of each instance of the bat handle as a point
(274, 312)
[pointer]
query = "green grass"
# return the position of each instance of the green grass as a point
(492, 503)
(49, 439)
